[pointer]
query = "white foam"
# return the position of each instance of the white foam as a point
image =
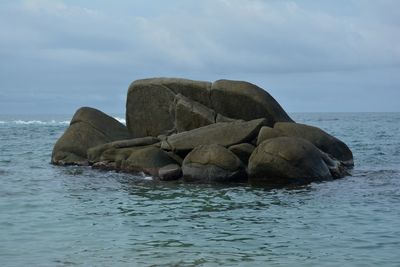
(49, 122)
(29, 122)
(145, 176)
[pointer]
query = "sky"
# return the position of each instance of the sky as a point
(311, 56)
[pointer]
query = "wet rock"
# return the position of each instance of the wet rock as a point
(148, 160)
(88, 128)
(213, 163)
(324, 141)
(95, 153)
(170, 172)
(287, 160)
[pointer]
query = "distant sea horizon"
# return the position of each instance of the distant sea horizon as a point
(64, 117)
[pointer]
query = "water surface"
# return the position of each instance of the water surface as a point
(75, 216)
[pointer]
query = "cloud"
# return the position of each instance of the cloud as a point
(53, 44)
(239, 36)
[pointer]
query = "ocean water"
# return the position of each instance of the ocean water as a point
(75, 216)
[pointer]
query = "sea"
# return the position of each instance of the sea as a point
(76, 216)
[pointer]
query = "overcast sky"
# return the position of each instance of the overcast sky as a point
(312, 56)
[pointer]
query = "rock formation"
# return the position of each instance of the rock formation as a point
(225, 132)
(88, 128)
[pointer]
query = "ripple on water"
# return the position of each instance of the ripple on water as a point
(79, 216)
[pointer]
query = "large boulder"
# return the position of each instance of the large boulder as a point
(198, 91)
(213, 163)
(149, 110)
(156, 99)
(222, 133)
(190, 114)
(88, 128)
(287, 160)
(324, 141)
(246, 101)
(178, 105)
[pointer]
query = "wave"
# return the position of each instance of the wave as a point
(35, 122)
(40, 122)
(48, 122)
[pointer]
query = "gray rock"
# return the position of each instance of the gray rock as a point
(177, 105)
(246, 101)
(199, 121)
(336, 167)
(267, 133)
(190, 114)
(324, 141)
(222, 118)
(243, 151)
(174, 156)
(88, 128)
(149, 109)
(223, 133)
(213, 163)
(146, 159)
(95, 153)
(198, 91)
(287, 160)
(156, 98)
(116, 155)
(170, 172)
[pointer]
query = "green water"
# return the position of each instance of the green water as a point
(75, 216)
